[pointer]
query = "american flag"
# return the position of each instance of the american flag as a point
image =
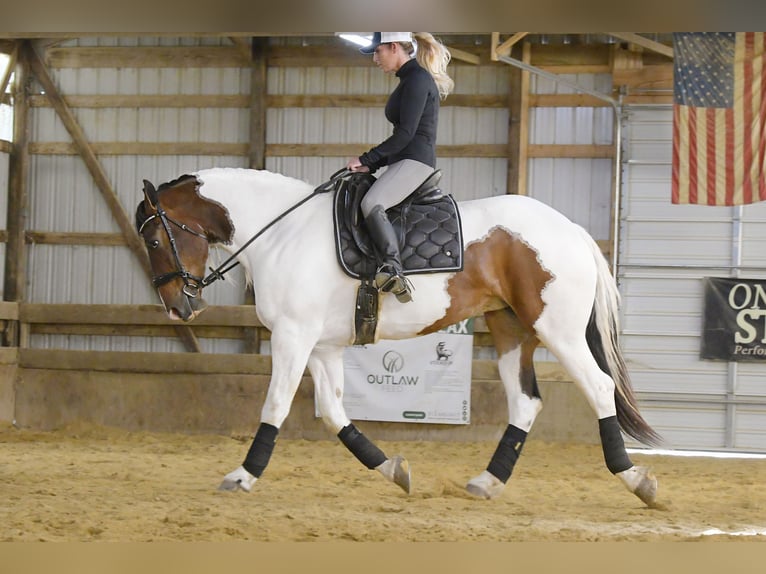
(719, 117)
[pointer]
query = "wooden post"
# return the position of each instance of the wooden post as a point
(18, 172)
(257, 152)
(258, 95)
(518, 125)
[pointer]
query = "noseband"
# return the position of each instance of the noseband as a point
(192, 283)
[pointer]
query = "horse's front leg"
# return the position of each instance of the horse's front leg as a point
(290, 348)
(326, 366)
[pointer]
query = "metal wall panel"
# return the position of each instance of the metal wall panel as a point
(579, 188)
(665, 251)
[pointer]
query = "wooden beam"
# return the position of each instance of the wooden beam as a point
(147, 101)
(243, 44)
(99, 175)
(18, 192)
(458, 54)
(577, 151)
(566, 101)
(523, 151)
(634, 38)
(243, 101)
(15, 264)
(258, 103)
(6, 146)
(518, 96)
(147, 57)
(658, 77)
(551, 57)
(142, 148)
(75, 238)
(504, 49)
(272, 150)
(123, 361)
(77, 314)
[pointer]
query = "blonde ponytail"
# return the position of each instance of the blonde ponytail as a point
(434, 57)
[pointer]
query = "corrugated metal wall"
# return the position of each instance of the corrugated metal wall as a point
(665, 251)
(579, 188)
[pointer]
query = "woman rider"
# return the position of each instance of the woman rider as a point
(410, 152)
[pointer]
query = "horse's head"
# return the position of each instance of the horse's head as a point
(178, 226)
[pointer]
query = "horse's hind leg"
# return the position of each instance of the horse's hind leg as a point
(515, 348)
(326, 366)
(599, 389)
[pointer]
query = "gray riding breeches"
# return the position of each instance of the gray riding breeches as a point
(396, 183)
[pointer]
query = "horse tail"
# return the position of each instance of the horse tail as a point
(602, 334)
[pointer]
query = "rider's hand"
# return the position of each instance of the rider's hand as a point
(356, 165)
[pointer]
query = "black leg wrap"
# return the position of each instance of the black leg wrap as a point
(361, 447)
(614, 447)
(507, 453)
(260, 451)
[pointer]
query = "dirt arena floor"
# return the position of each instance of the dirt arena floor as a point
(87, 483)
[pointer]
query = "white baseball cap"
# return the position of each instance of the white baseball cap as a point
(379, 38)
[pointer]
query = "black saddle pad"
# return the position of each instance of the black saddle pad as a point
(427, 224)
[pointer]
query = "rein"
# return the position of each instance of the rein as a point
(192, 283)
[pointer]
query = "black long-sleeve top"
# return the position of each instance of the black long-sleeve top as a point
(413, 109)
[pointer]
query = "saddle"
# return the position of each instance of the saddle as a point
(427, 224)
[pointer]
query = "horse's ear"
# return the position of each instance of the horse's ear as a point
(150, 193)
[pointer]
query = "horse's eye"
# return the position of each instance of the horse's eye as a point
(154, 244)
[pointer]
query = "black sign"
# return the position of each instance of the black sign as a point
(734, 324)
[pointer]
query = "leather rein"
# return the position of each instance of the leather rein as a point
(193, 283)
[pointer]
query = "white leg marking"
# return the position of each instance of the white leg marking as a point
(522, 409)
(486, 485)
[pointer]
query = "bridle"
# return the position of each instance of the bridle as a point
(192, 283)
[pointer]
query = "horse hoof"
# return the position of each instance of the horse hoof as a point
(641, 482)
(486, 486)
(397, 470)
(647, 487)
(402, 475)
(236, 480)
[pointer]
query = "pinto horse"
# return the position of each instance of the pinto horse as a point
(536, 276)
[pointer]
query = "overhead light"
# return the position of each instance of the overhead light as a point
(357, 39)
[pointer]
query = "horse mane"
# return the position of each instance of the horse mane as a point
(180, 180)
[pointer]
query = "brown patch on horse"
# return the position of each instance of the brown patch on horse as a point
(508, 334)
(499, 271)
(183, 202)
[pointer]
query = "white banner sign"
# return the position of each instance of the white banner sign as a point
(425, 380)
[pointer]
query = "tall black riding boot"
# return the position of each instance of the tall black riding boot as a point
(389, 276)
